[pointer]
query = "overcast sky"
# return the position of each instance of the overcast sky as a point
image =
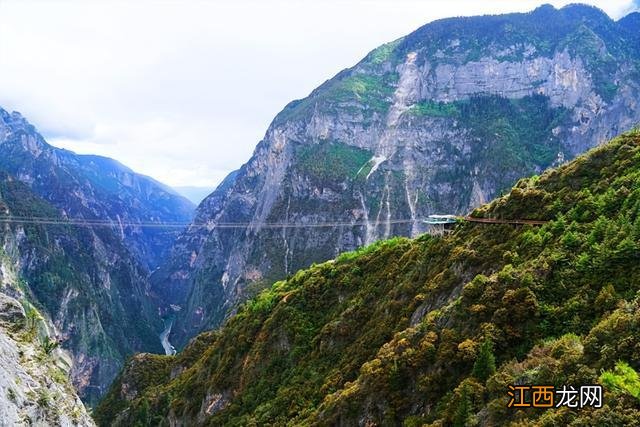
(184, 90)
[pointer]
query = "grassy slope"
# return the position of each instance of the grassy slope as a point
(390, 334)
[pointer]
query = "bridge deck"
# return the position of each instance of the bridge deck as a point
(505, 221)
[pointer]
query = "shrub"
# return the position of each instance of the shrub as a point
(622, 379)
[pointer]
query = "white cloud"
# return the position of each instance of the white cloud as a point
(183, 91)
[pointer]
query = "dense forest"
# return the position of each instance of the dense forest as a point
(432, 330)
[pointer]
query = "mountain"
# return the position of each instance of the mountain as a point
(84, 280)
(431, 331)
(439, 121)
(79, 232)
(94, 188)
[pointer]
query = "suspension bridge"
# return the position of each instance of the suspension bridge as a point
(436, 223)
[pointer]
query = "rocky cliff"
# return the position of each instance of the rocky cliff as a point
(35, 388)
(439, 121)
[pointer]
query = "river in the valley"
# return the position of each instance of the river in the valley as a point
(164, 338)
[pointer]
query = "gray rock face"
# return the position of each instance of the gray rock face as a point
(562, 78)
(34, 384)
(11, 311)
(28, 396)
(437, 122)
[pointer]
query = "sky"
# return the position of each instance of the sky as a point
(183, 91)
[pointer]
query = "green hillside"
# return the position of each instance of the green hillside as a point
(432, 330)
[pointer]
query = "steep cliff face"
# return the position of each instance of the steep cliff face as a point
(93, 187)
(34, 388)
(431, 331)
(34, 372)
(84, 279)
(439, 121)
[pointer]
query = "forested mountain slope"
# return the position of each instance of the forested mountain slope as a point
(433, 330)
(439, 121)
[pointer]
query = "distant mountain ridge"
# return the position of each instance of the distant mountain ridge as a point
(439, 121)
(93, 187)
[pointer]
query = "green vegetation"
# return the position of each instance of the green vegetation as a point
(435, 109)
(331, 161)
(463, 410)
(369, 249)
(516, 131)
(383, 53)
(33, 320)
(361, 94)
(485, 364)
(373, 92)
(433, 330)
(141, 371)
(587, 45)
(523, 133)
(623, 378)
(44, 398)
(48, 345)
(546, 29)
(519, 132)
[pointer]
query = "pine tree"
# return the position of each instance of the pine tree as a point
(485, 364)
(463, 411)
